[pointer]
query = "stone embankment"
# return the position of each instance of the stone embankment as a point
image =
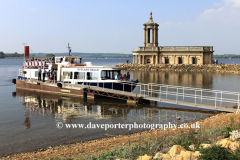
(232, 68)
(177, 152)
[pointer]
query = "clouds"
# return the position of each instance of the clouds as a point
(226, 12)
(233, 3)
(210, 14)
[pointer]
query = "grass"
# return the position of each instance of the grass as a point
(149, 142)
(165, 141)
(218, 152)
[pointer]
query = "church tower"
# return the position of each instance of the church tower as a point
(149, 52)
(150, 33)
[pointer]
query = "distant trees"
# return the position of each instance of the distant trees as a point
(226, 56)
(13, 55)
(1, 54)
(49, 55)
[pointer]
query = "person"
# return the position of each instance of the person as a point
(54, 75)
(44, 73)
(128, 76)
(125, 77)
(117, 77)
(121, 77)
(52, 69)
(48, 75)
(39, 73)
(53, 59)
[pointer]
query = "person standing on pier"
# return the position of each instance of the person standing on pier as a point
(39, 73)
(44, 74)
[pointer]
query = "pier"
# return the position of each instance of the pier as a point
(216, 100)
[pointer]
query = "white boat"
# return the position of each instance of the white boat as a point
(69, 69)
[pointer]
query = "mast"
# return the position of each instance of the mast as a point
(69, 49)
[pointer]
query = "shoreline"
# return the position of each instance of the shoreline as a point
(220, 68)
(88, 148)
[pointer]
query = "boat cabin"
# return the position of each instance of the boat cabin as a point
(89, 73)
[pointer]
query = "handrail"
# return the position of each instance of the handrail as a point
(157, 92)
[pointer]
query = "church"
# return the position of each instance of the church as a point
(151, 53)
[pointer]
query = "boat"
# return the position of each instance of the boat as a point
(70, 70)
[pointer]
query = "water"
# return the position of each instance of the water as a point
(28, 120)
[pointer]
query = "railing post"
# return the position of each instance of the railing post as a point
(148, 89)
(151, 90)
(140, 89)
(216, 101)
(160, 93)
(177, 96)
(112, 85)
(83, 80)
(144, 91)
(103, 86)
(201, 95)
(183, 93)
(195, 98)
(166, 91)
(221, 99)
(123, 87)
(131, 86)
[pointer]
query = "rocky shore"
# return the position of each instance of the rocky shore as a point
(149, 143)
(230, 68)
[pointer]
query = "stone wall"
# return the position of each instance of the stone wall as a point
(232, 68)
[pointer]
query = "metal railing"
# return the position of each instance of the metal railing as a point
(151, 91)
(163, 92)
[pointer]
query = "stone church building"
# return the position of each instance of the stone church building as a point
(154, 54)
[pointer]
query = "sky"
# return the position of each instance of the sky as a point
(116, 26)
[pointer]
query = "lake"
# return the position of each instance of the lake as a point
(28, 119)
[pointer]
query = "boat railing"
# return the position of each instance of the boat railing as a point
(89, 84)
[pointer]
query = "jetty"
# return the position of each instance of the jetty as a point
(217, 100)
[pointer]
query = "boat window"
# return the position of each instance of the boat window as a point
(76, 60)
(36, 73)
(92, 75)
(115, 73)
(58, 60)
(73, 60)
(79, 75)
(109, 74)
(104, 75)
(67, 75)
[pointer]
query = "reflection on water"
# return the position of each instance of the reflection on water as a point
(195, 79)
(42, 111)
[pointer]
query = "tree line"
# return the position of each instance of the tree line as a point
(84, 55)
(226, 56)
(18, 55)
